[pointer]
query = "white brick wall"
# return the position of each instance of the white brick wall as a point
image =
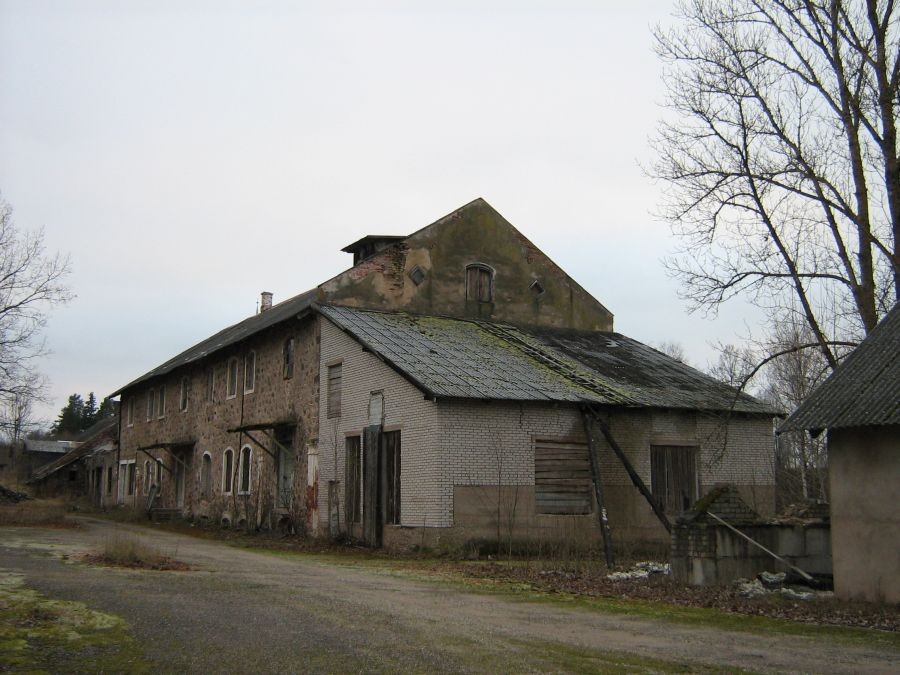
(465, 443)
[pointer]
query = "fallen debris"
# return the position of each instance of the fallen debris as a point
(8, 496)
(641, 570)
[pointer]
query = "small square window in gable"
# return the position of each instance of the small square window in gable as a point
(537, 288)
(417, 275)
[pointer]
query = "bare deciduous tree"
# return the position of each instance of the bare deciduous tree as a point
(31, 282)
(781, 159)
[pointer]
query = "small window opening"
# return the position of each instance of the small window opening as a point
(185, 394)
(479, 283)
(249, 372)
(227, 470)
(334, 391)
(537, 288)
(231, 388)
(161, 405)
(288, 370)
(151, 404)
(417, 275)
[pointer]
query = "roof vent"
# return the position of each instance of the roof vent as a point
(265, 301)
(370, 245)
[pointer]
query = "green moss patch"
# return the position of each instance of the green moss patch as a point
(39, 634)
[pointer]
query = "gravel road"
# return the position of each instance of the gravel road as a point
(245, 611)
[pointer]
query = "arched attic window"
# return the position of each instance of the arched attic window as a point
(479, 283)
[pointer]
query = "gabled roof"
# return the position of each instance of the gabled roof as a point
(468, 359)
(276, 314)
(863, 391)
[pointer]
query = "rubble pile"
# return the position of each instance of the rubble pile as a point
(8, 496)
(641, 570)
(767, 583)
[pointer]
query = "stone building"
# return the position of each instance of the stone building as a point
(439, 386)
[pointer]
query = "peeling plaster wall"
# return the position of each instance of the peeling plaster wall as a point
(475, 233)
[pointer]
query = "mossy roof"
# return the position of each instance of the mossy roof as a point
(469, 359)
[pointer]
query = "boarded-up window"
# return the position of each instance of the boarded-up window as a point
(562, 478)
(392, 477)
(334, 391)
(673, 476)
(353, 471)
(479, 283)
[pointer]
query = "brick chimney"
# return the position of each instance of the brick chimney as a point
(265, 301)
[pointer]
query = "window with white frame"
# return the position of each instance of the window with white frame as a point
(231, 381)
(246, 471)
(161, 402)
(185, 396)
(151, 403)
(249, 372)
(288, 368)
(206, 476)
(227, 471)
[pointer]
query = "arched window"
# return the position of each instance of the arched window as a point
(288, 370)
(159, 471)
(249, 372)
(227, 470)
(148, 476)
(232, 378)
(206, 476)
(245, 472)
(479, 283)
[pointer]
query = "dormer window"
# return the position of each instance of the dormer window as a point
(479, 283)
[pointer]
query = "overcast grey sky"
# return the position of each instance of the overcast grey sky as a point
(189, 155)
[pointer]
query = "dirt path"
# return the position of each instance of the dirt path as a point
(242, 611)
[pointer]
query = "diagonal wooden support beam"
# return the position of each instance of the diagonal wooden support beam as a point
(598, 489)
(635, 478)
(159, 461)
(253, 438)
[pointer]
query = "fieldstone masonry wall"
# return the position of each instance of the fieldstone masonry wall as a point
(205, 423)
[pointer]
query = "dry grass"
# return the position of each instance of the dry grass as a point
(125, 551)
(36, 512)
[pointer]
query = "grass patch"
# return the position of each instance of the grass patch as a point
(124, 551)
(35, 513)
(39, 634)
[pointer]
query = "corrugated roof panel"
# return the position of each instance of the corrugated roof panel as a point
(863, 391)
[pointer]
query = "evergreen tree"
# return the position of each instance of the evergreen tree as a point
(107, 409)
(70, 417)
(89, 412)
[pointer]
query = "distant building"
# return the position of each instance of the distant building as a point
(859, 407)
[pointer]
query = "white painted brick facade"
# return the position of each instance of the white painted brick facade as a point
(467, 443)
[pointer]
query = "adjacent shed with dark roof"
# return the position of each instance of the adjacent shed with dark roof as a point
(859, 406)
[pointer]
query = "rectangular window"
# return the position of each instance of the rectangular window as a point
(231, 378)
(288, 370)
(151, 404)
(562, 478)
(249, 372)
(129, 411)
(479, 283)
(161, 402)
(353, 482)
(334, 391)
(129, 489)
(392, 477)
(185, 394)
(673, 476)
